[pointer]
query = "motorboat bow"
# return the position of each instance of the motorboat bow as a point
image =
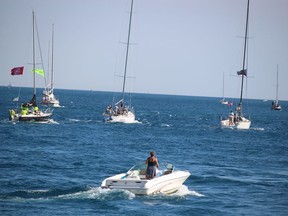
(166, 181)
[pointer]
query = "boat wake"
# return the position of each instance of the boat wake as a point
(184, 191)
(94, 193)
(133, 122)
(99, 194)
(58, 106)
(88, 193)
(51, 121)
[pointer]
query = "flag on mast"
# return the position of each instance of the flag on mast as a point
(17, 71)
(39, 71)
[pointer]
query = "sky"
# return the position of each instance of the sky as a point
(179, 47)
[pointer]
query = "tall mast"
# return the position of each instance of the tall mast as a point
(223, 87)
(34, 74)
(127, 50)
(244, 73)
(277, 87)
(52, 63)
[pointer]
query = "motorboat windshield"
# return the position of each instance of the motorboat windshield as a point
(141, 168)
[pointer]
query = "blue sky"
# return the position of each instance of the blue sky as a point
(179, 47)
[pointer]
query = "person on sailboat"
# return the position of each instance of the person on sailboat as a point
(117, 111)
(231, 118)
(152, 163)
(36, 110)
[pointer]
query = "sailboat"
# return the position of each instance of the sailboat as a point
(48, 97)
(16, 99)
(30, 111)
(275, 104)
(237, 119)
(223, 100)
(119, 112)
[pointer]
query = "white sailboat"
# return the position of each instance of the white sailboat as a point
(223, 100)
(275, 104)
(237, 119)
(48, 94)
(119, 112)
(30, 111)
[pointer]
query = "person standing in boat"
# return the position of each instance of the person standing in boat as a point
(152, 163)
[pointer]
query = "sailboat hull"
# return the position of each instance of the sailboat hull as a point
(128, 117)
(242, 124)
(31, 117)
(278, 107)
(50, 99)
(53, 103)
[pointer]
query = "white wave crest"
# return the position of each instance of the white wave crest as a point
(51, 121)
(184, 191)
(257, 129)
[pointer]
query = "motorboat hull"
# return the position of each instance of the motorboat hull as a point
(166, 184)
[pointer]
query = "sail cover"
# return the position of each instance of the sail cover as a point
(242, 72)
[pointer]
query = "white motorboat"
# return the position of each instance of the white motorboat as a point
(166, 181)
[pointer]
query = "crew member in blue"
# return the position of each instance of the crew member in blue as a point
(152, 163)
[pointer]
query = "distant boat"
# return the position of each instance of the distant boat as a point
(237, 119)
(48, 97)
(16, 99)
(10, 85)
(275, 104)
(223, 100)
(119, 112)
(30, 111)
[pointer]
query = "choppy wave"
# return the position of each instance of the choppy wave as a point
(74, 120)
(257, 129)
(165, 125)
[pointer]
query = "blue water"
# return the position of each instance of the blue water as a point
(57, 168)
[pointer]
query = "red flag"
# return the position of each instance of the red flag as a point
(17, 71)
